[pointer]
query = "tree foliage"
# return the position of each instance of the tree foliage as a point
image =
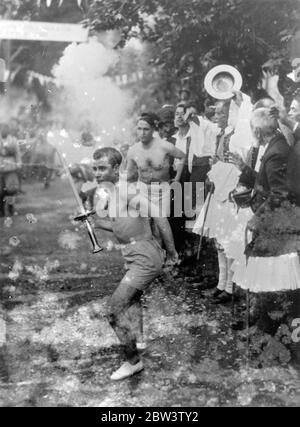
(17, 7)
(37, 56)
(191, 36)
(185, 38)
(34, 10)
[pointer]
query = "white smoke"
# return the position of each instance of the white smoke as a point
(91, 98)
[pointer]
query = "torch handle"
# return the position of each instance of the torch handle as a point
(96, 247)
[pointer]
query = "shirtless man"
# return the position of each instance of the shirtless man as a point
(142, 253)
(151, 155)
(150, 159)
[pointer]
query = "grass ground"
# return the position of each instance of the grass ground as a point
(57, 349)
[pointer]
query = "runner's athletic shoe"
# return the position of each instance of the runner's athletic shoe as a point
(127, 370)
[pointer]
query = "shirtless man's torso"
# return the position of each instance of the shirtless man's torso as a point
(151, 156)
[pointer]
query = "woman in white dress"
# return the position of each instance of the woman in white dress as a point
(225, 222)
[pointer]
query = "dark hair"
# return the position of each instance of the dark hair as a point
(192, 104)
(114, 156)
(166, 114)
(150, 118)
(209, 102)
(181, 105)
(296, 96)
(197, 104)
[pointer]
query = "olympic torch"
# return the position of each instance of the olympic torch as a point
(83, 213)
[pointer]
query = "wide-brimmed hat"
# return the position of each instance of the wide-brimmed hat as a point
(221, 81)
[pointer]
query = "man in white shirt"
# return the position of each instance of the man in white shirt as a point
(182, 140)
(196, 137)
(204, 137)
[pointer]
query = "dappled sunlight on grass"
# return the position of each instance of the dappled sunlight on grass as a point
(60, 349)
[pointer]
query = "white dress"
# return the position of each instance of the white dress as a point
(268, 274)
(224, 222)
(274, 263)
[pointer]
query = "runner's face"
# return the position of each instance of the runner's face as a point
(294, 112)
(104, 171)
(144, 132)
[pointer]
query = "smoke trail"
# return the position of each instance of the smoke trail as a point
(94, 103)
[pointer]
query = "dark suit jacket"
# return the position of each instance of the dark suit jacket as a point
(297, 133)
(271, 183)
(294, 167)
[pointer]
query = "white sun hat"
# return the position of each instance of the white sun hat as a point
(222, 80)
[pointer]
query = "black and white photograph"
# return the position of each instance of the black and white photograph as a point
(149, 206)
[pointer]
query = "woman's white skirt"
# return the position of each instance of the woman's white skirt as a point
(226, 224)
(268, 274)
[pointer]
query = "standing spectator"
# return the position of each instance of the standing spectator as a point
(150, 159)
(273, 253)
(182, 141)
(294, 161)
(197, 138)
(203, 145)
(224, 222)
(184, 95)
(209, 109)
(291, 120)
(10, 162)
(294, 114)
(287, 132)
(167, 128)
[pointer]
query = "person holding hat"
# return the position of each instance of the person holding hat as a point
(220, 219)
(224, 222)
